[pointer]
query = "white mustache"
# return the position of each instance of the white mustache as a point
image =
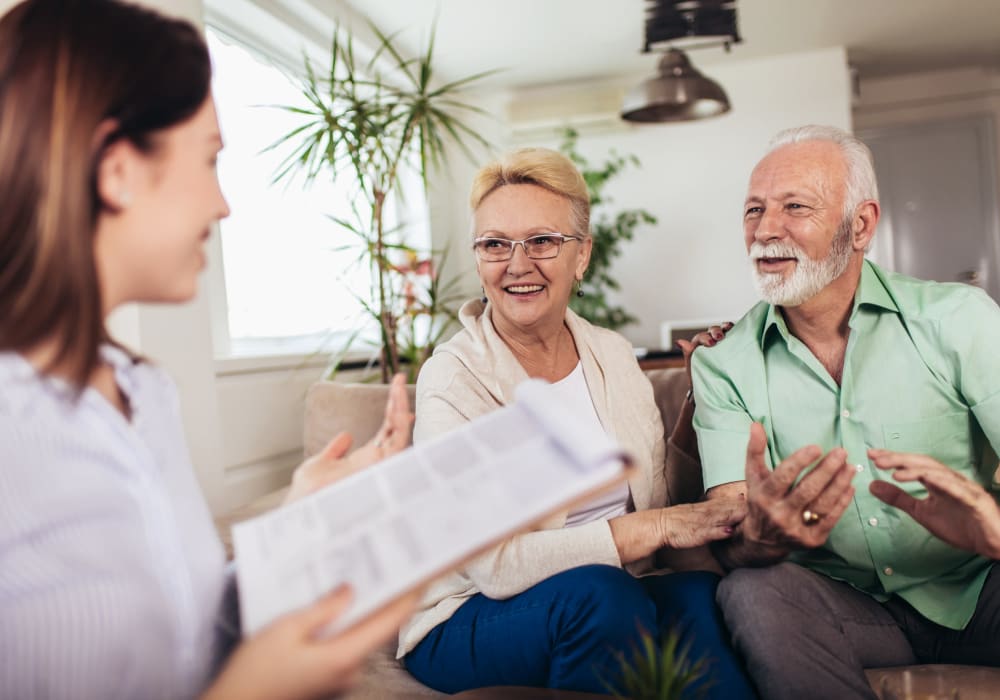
(775, 249)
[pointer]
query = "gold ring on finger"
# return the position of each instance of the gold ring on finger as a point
(810, 517)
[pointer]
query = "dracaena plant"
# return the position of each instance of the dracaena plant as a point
(370, 121)
(655, 671)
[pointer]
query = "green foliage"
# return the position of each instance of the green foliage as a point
(655, 672)
(371, 125)
(610, 230)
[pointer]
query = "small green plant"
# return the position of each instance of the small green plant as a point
(652, 671)
(610, 230)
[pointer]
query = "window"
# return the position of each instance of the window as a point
(291, 287)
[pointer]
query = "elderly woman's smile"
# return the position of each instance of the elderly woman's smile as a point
(524, 289)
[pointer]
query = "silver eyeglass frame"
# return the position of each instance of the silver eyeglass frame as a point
(512, 244)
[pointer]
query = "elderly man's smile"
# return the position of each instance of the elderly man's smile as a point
(772, 265)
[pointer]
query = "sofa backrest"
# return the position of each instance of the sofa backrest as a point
(333, 407)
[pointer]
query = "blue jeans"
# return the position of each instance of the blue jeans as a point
(564, 633)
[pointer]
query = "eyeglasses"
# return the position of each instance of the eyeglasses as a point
(540, 247)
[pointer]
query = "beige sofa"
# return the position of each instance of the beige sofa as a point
(357, 408)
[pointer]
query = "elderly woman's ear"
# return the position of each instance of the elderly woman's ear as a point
(586, 247)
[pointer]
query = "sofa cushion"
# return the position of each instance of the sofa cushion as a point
(335, 407)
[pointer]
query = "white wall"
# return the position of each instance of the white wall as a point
(692, 264)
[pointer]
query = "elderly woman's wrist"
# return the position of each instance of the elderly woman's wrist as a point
(667, 527)
(636, 535)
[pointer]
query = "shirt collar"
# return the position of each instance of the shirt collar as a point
(872, 291)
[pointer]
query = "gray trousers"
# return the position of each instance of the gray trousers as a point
(804, 635)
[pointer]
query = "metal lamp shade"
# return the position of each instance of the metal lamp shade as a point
(678, 93)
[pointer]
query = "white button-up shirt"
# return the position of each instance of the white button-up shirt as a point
(111, 573)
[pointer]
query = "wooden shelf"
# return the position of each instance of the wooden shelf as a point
(661, 359)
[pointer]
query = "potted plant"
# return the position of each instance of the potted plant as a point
(609, 230)
(657, 672)
(371, 121)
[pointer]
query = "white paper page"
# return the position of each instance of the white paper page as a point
(396, 524)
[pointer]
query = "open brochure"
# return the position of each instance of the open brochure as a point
(397, 524)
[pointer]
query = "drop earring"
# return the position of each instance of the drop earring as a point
(579, 288)
(483, 298)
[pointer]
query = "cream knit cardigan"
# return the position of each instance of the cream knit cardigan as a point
(475, 373)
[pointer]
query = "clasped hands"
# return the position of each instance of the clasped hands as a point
(786, 513)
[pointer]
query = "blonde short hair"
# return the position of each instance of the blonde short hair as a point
(543, 167)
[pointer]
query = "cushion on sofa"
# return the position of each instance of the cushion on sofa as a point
(334, 407)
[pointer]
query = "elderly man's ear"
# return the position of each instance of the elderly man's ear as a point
(863, 226)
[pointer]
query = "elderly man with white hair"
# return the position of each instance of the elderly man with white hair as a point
(846, 378)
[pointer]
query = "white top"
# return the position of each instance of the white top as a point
(572, 389)
(111, 573)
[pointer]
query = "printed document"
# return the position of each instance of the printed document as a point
(399, 523)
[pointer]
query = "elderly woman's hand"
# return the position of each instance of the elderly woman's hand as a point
(331, 465)
(637, 535)
(691, 525)
(708, 338)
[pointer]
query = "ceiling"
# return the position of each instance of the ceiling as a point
(551, 41)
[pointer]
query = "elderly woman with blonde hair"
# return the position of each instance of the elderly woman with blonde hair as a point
(552, 608)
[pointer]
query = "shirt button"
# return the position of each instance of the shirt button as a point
(859, 468)
(873, 522)
(845, 413)
(888, 571)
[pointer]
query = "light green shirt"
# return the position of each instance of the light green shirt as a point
(921, 374)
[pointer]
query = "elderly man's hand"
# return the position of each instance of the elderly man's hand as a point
(784, 515)
(330, 464)
(956, 510)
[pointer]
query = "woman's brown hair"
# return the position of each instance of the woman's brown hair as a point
(68, 69)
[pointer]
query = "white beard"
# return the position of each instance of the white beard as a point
(809, 276)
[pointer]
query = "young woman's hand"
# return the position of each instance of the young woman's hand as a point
(331, 464)
(288, 660)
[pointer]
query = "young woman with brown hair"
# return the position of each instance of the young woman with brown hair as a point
(113, 583)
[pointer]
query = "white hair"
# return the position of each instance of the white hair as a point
(860, 185)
